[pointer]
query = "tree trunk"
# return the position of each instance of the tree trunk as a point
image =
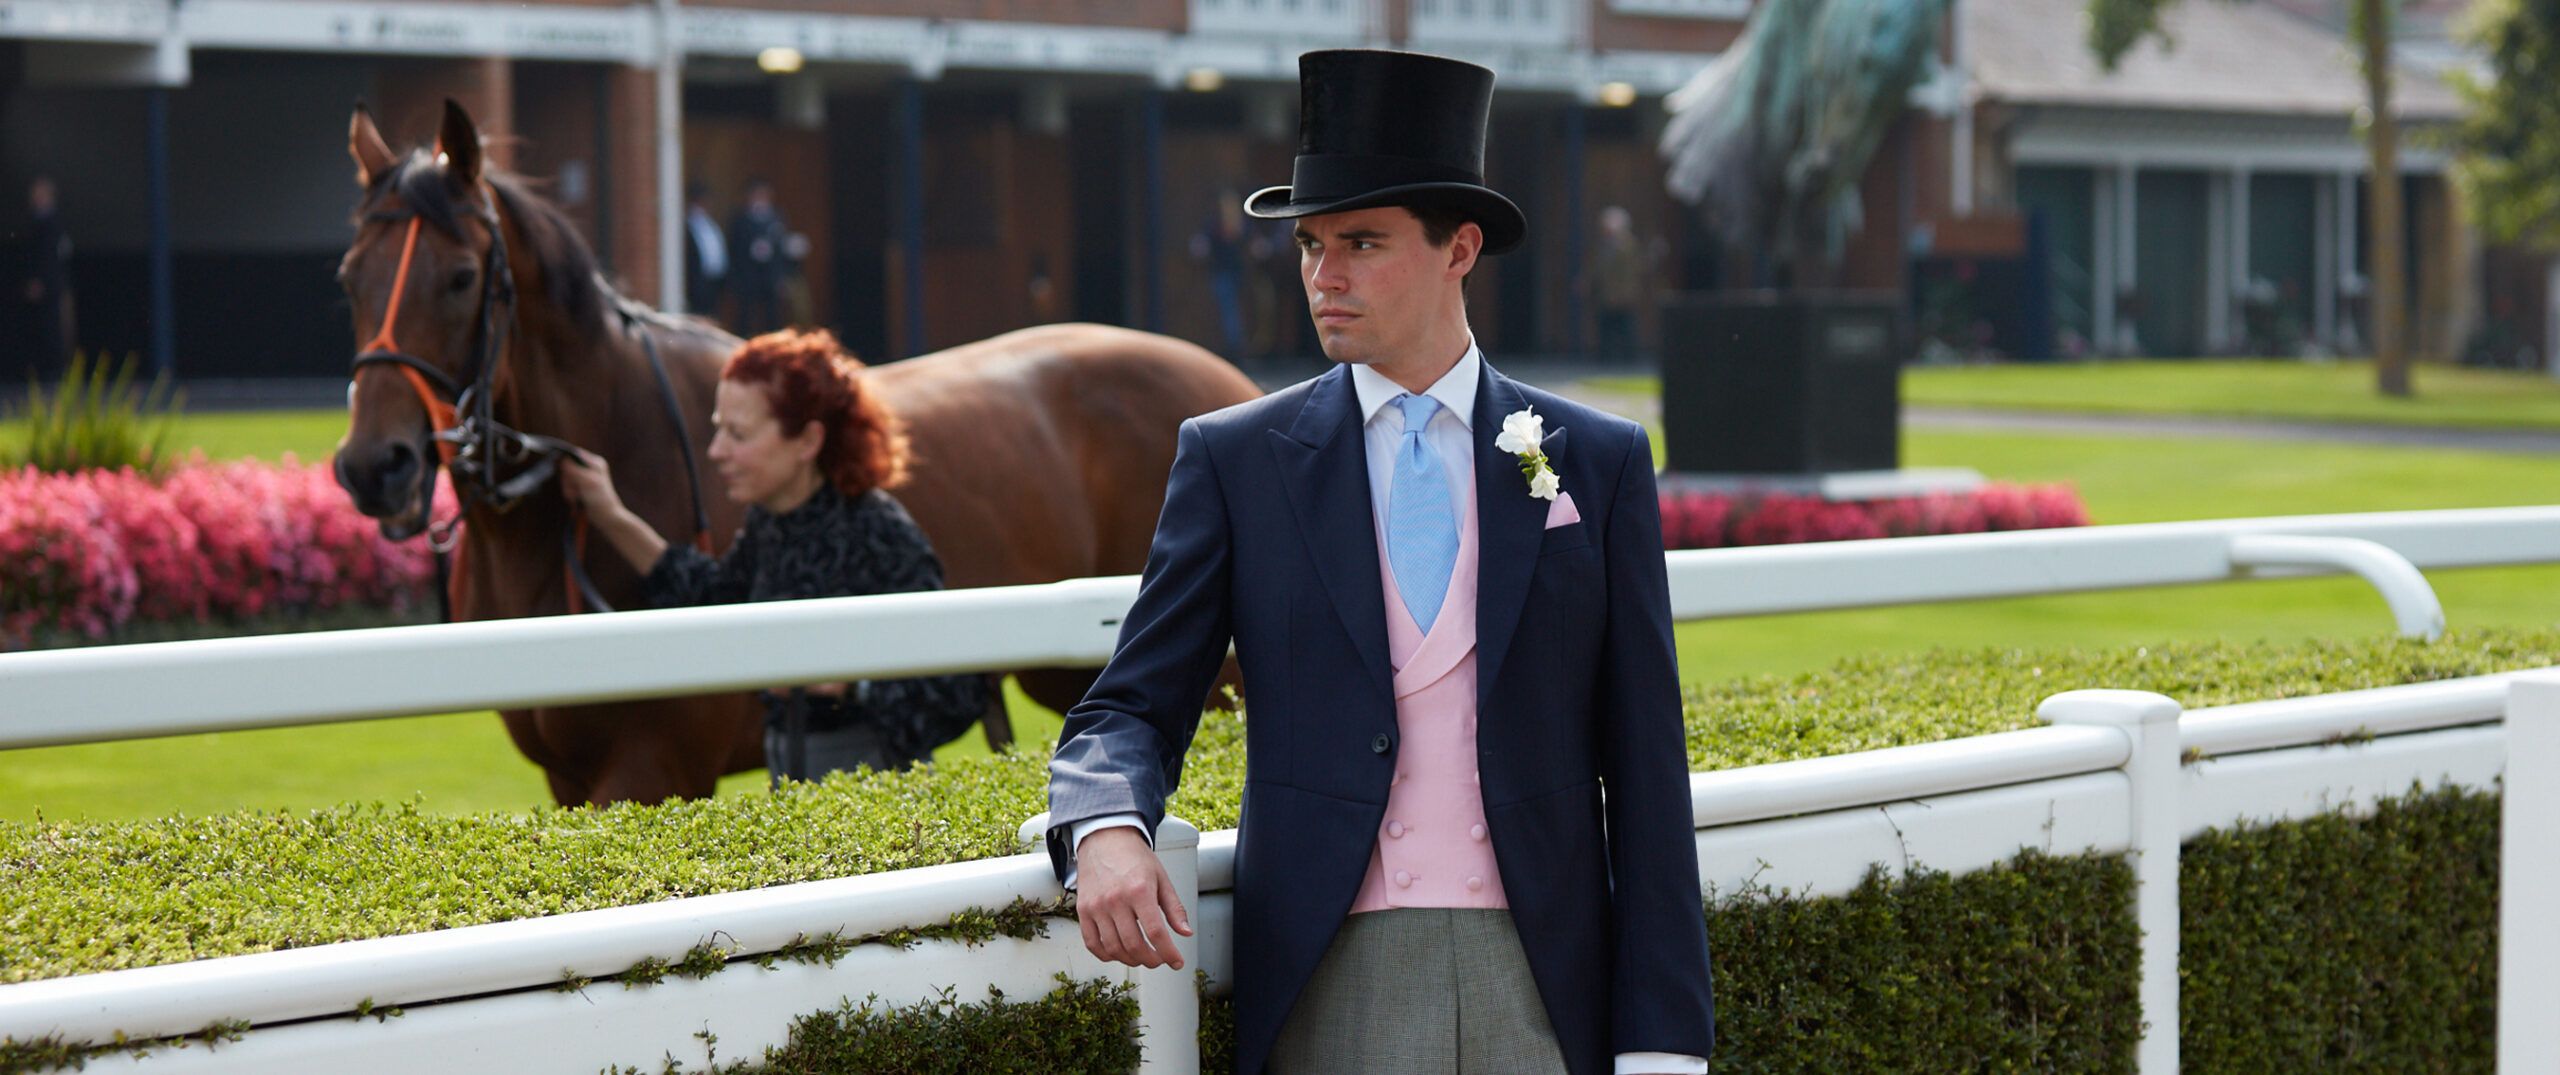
(2387, 298)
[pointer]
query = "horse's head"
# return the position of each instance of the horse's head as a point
(419, 279)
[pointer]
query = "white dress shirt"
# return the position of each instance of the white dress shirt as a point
(708, 241)
(1450, 433)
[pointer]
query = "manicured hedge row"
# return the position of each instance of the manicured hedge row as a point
(2342, 944)
(2027, 966)
(2327, 944)
(100, 896)
(1078, 1028)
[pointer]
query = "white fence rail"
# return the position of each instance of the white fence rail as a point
(2106, 777)
(176, 688)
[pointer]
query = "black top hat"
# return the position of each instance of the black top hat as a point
(1392, 128)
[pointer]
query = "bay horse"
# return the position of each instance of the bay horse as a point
(1037, 456)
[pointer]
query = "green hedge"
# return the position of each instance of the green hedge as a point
(2364, 943)
(1079, 1027)
(2339, 944)
(2327, 944)
(99, 896)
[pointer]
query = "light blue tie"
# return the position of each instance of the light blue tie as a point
(1422, 528)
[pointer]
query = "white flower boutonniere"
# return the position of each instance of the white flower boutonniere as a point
(1524, 434)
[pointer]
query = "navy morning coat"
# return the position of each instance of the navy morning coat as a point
(1267, 539)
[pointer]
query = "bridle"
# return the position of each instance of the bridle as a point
(495, 466)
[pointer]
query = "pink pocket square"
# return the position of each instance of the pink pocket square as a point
(1561, 511)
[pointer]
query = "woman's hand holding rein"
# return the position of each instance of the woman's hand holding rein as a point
(587, 482)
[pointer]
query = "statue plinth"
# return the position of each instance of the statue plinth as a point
(1782, 383)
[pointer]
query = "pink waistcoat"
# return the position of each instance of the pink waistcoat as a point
(1432, 849)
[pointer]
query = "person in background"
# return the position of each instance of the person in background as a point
(706, 254)
(797, 435)
(758, 260)
(47, 285)
(1221, 245)
(1616, 281)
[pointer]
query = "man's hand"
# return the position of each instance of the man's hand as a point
(1124, 901)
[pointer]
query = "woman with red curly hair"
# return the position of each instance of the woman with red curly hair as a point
(798, 437)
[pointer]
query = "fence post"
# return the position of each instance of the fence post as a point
(2529, 872)
(1168, 1001)
(2150, 721)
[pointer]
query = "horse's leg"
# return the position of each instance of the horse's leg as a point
(998, 724)
(568, 786)
(672, 748)
(1058, 688)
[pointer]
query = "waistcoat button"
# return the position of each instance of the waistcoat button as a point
(1403, 879)
(1476, 831)
(1395, 829)
(1475, 884)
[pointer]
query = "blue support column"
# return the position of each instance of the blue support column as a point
(1575, 221)
(1151, 257)
(911, 212)
(164, 303)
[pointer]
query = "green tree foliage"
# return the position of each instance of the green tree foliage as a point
(2507, 160)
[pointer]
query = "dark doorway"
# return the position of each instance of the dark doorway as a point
(1103, 161)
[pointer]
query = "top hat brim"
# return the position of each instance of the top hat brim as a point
(1503, 223)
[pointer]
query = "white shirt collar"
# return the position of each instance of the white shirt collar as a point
(1456, 389)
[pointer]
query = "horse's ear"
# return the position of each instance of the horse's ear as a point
(460, 144)
(365, 144)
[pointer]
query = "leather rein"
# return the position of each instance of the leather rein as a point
(494, 465)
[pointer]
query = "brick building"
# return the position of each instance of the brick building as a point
(965, 167)
(959, 169)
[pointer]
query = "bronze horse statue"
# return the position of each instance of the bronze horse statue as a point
(1039, 455)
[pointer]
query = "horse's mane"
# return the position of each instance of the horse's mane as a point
(569, 270)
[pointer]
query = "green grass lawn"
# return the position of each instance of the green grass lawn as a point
(2282, 390)
(310, 436)
(464, 762)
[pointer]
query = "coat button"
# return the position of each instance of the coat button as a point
(1403, 879)
(1379, 744)
(1395, 829)
(1475, 884)
(1476, 831)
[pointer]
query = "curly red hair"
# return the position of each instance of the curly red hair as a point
(808, 377)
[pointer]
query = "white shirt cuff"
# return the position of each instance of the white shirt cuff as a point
(1663, 1063)
(1087, 827)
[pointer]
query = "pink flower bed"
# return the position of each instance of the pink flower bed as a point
(1718, 520)
(91, 552)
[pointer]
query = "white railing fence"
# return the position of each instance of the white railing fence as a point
(177, 688)
(2528, 874)
(2106, 776)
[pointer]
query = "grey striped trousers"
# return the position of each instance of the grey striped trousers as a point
(1420, 991)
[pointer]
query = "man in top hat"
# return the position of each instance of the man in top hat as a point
(1466, 843)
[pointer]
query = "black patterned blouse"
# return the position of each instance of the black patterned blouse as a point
(833, 545)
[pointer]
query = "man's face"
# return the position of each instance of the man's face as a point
(1374, 282)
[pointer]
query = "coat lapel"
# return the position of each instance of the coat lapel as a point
(1510, 523)
(1324, 469)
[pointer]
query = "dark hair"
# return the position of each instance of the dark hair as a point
(808, 377)
(1439, 222)
(696, 190)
